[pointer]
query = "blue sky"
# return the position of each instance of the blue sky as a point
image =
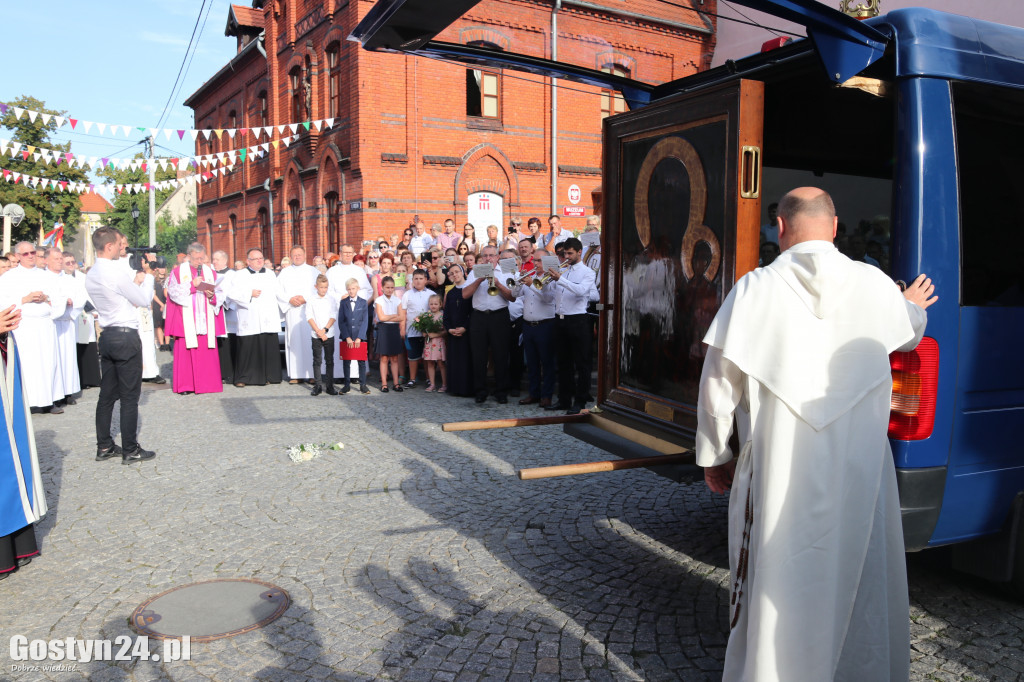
(112, 62)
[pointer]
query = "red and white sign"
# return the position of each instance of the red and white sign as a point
(574, 211)
(574, 194)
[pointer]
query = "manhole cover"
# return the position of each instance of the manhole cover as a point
(210, 610)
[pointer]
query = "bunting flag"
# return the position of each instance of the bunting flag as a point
(55, 237)
(58, 157)
(114, 129)
(33, 182)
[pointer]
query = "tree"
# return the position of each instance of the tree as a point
(42, 207)
(120, 216)
(174, 237)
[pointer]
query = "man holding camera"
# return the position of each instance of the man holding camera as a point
(116, 292)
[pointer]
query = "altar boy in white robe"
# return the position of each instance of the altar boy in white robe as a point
(296, 285)
(72, 297)
(799, 355)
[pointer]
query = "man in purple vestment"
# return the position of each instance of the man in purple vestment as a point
(195, 321)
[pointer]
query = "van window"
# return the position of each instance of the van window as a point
(990, 150)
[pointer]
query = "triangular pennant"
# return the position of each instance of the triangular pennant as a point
(206, 133)
(181, 134)
(294, 127)
(87, 124)
(153, 132)
(243, 131)
(305, 124)
(101, 127)
(329, 122)
(46, 118)
(241, 154)
(217, 132)
(275, 143)
(195, 134)
(18, 111)
(74, 122)
(231, 133)
(60, 121)
(167, 133)
(32, 115)
(318, 125)
(280, 129)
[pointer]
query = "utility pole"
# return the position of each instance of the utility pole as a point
(152, 191)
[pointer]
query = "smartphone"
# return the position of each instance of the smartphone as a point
(399, 278)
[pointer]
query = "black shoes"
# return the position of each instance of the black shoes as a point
(156, 380)
(384, 388)
(398, 388)
(345, 389)
(481, 399)
(56, 409)
(113, 451)
(316, 390)
(137, 455)
(574, 410)
(558, 406)
(364, 390)
(502, 400)
(331, 390)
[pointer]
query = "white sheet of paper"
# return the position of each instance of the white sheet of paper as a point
(482, 270)
(549, 262)
(508, 265)
(589, 239)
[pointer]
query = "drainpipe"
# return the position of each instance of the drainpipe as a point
(554, 109)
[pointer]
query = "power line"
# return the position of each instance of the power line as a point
(186, 61)
(749, 22)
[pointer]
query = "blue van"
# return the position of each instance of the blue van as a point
(913, 122)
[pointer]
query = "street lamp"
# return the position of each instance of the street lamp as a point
(135, 224)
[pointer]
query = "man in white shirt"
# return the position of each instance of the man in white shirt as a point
(556, 236)
(343, 271)
(422, 241)
(70, 303)
(295, 287)
(538, 335)
(254, 293)
(490, 328)
(35, 293)
(116, 291)
(574, 288)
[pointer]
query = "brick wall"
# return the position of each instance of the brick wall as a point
(402, 143)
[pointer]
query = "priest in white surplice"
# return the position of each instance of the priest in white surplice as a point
(344, 270)
(34, 292)
(295, 286)
(254, 292)
(72, 298)
(798, 354)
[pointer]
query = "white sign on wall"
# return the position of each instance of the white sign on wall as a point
(574, 194)
(486, 208)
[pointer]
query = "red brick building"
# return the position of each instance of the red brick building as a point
(420, 136)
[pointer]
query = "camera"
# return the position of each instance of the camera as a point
(137, 254)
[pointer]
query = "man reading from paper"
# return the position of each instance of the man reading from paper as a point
(799, 355)
(195, 321)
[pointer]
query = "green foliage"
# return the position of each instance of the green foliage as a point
(174, 237)
(120, 216)
(48, 205)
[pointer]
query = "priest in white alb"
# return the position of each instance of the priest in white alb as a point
(296, 284)
(72, 297)
(34, 292)
(799, 356)
(195, 320)
(344, 270)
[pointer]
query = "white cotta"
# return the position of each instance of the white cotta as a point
(36, 333)
(179, 289)
(85, 324)
(297, 280)
(258, 315)
(338, 274)
(799, 354)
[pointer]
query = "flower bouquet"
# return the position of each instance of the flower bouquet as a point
(305, 452)
(426, 324)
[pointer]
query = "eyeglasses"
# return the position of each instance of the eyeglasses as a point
(26, 253)
(256, 258)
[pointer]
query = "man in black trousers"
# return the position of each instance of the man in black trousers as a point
(574, 287)
(115, 290)
(490, 328)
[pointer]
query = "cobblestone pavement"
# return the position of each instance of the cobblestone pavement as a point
(411, 554)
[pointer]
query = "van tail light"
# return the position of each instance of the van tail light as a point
(915, 380)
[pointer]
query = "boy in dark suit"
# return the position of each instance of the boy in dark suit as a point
(353, 314)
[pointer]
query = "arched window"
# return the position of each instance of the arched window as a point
(263, 229)
(333, 80)
(333, 222)
(295, 76)
(612, 101)
(293, 212)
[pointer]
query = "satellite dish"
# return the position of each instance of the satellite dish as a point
(15, 213)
